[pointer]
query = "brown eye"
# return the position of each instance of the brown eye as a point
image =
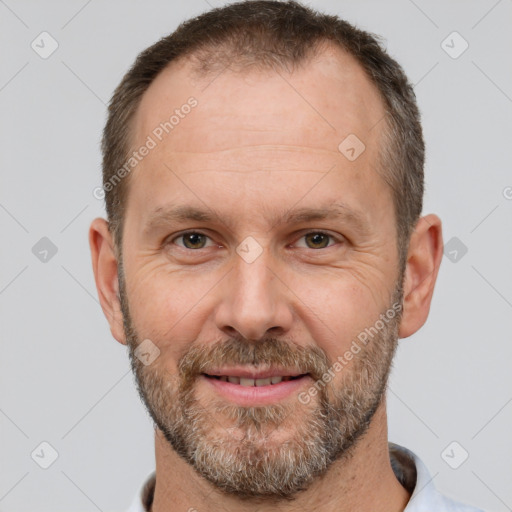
(193, 240)
(317, 240)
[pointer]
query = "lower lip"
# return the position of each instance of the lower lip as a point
(256, 395)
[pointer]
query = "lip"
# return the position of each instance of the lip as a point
(253, 374)
(256, 395)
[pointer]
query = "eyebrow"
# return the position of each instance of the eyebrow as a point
(165, 216)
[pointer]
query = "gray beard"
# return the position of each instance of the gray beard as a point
(244, 458)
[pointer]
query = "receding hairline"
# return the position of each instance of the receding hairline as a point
(192, 67)
(364, 48)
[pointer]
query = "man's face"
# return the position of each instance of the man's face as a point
(264, 287)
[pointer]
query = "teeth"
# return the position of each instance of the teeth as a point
(253, 382)
(243, 381)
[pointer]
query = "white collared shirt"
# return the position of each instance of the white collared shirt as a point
(407, 466)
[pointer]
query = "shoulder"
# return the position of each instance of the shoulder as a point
(414, 476)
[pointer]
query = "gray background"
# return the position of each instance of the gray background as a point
(64, 380)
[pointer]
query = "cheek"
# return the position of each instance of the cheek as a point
(165, 307)
(336, 306)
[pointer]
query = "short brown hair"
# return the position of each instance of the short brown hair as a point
(274, 34)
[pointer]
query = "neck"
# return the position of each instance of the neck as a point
(362, 481)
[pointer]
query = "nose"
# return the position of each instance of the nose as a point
(254, 301)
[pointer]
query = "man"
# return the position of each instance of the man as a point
(264, 251)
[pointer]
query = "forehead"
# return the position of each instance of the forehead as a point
(253, 121)
(321, 102)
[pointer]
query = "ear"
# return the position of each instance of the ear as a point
(104, 264)
(423, 261)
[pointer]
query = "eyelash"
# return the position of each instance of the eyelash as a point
(331, 237)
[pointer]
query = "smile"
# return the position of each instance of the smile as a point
(257, 389)
(254, 382)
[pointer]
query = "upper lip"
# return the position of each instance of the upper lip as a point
(248, 373)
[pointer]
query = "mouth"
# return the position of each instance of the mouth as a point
(250, 388)
(248, 382)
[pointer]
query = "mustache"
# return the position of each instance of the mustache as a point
(240, 352)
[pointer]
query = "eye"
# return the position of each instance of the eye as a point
(192, 240)
(317, 240)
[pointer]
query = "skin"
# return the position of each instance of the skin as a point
(259, 144)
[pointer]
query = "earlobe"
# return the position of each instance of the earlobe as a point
(105, 266)
(423, 261)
